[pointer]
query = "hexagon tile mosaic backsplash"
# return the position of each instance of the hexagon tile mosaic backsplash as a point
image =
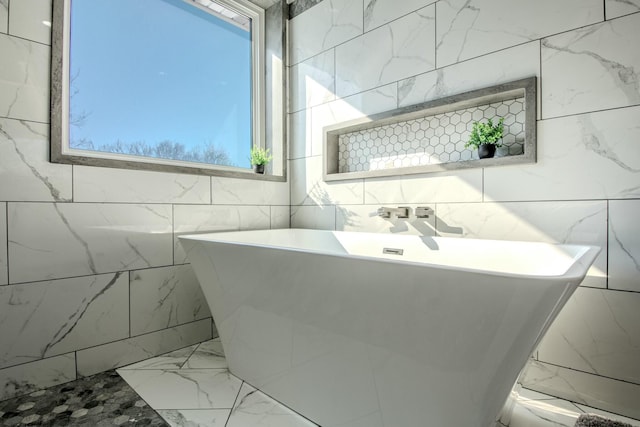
(435, 139)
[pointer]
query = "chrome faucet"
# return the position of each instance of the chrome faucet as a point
(400, 212)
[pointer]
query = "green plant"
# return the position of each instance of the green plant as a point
(486, 133)
(260, 156)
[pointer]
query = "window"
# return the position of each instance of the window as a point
(172, 85)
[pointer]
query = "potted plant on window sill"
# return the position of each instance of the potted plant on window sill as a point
(485, 137)
(259, 158)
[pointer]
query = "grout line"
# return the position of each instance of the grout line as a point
(607, 230)
(589, 373)
(233, 405)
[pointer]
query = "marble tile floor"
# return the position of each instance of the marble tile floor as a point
(192, 387)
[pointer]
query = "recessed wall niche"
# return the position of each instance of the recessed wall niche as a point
(431, 137)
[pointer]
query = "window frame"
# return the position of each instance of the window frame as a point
(60, 74)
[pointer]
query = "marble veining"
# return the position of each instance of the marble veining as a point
(468, 28)
(299, 6)
(21, 379)
(24, 145)
(4, 15)
(403, 47)
(48, 318)
(4, 274)
(624, 246)
(617, 8)
(609, 77)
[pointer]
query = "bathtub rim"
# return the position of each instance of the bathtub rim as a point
(577, 271)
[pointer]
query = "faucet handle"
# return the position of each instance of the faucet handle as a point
(423, 212)
(384, 212)
(402, 212)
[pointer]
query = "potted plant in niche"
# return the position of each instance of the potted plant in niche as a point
(485, 137)
(259, 158)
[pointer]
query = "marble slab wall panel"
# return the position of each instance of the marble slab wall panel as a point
(94, 184)
(232, 191)
(373, 101)
(322, 27)
(393, 52)
(27, 174)
(441, 187)
(308, 187)
(28, 20)
(314, 217)
(617, 8)
(624, 245)
(44, 319)
(581, 222)
(592, 68)
(471, 28)
(4, 274)
(23, 379)
(597, 332)
(192, 219)
(366, 218)
(590, 156)
(619, 397)
(280, 217)
(380, 12)
(312, 82)
(507, 65)
(4, 16)
(24, 79)
(55, 240)
(164, 297)
(121, 353)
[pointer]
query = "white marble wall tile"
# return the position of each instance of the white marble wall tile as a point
(400, 49)
(592, 68)
(617, 8)
(380, 12)
(190, 388)
(4, 274)
(232, 191)
(24, 79)
(551, 222)
(4, 16)
(27, 174)
(624, 245)
(314, 217)
(590, 156)
(172, 360)
(94, 184)
(441, 187)
(28, 20)
(300, 134)
(124, 352)
(322, 27)
(500, 67)
(366, 218)
(22, 379)
(605, 393)
(597, 332)
(164, 297)
(470, 28)
(191, 219)
(280, 217)
(308, 187)
(44, 319)
(55, 240)
(195, 417)
(312, 81)
(374, 101)
(254, 408)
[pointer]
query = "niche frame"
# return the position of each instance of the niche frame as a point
(524, 88)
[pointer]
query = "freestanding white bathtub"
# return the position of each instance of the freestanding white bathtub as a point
(347, 331)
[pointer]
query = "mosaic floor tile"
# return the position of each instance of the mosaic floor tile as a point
(100, 400)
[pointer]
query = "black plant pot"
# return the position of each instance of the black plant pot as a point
(486, 151)
(258, 169)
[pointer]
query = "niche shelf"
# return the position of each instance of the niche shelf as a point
(430, 137)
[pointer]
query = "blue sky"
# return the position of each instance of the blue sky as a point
(154, 70)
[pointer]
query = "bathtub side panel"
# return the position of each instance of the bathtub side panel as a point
(340, 339)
